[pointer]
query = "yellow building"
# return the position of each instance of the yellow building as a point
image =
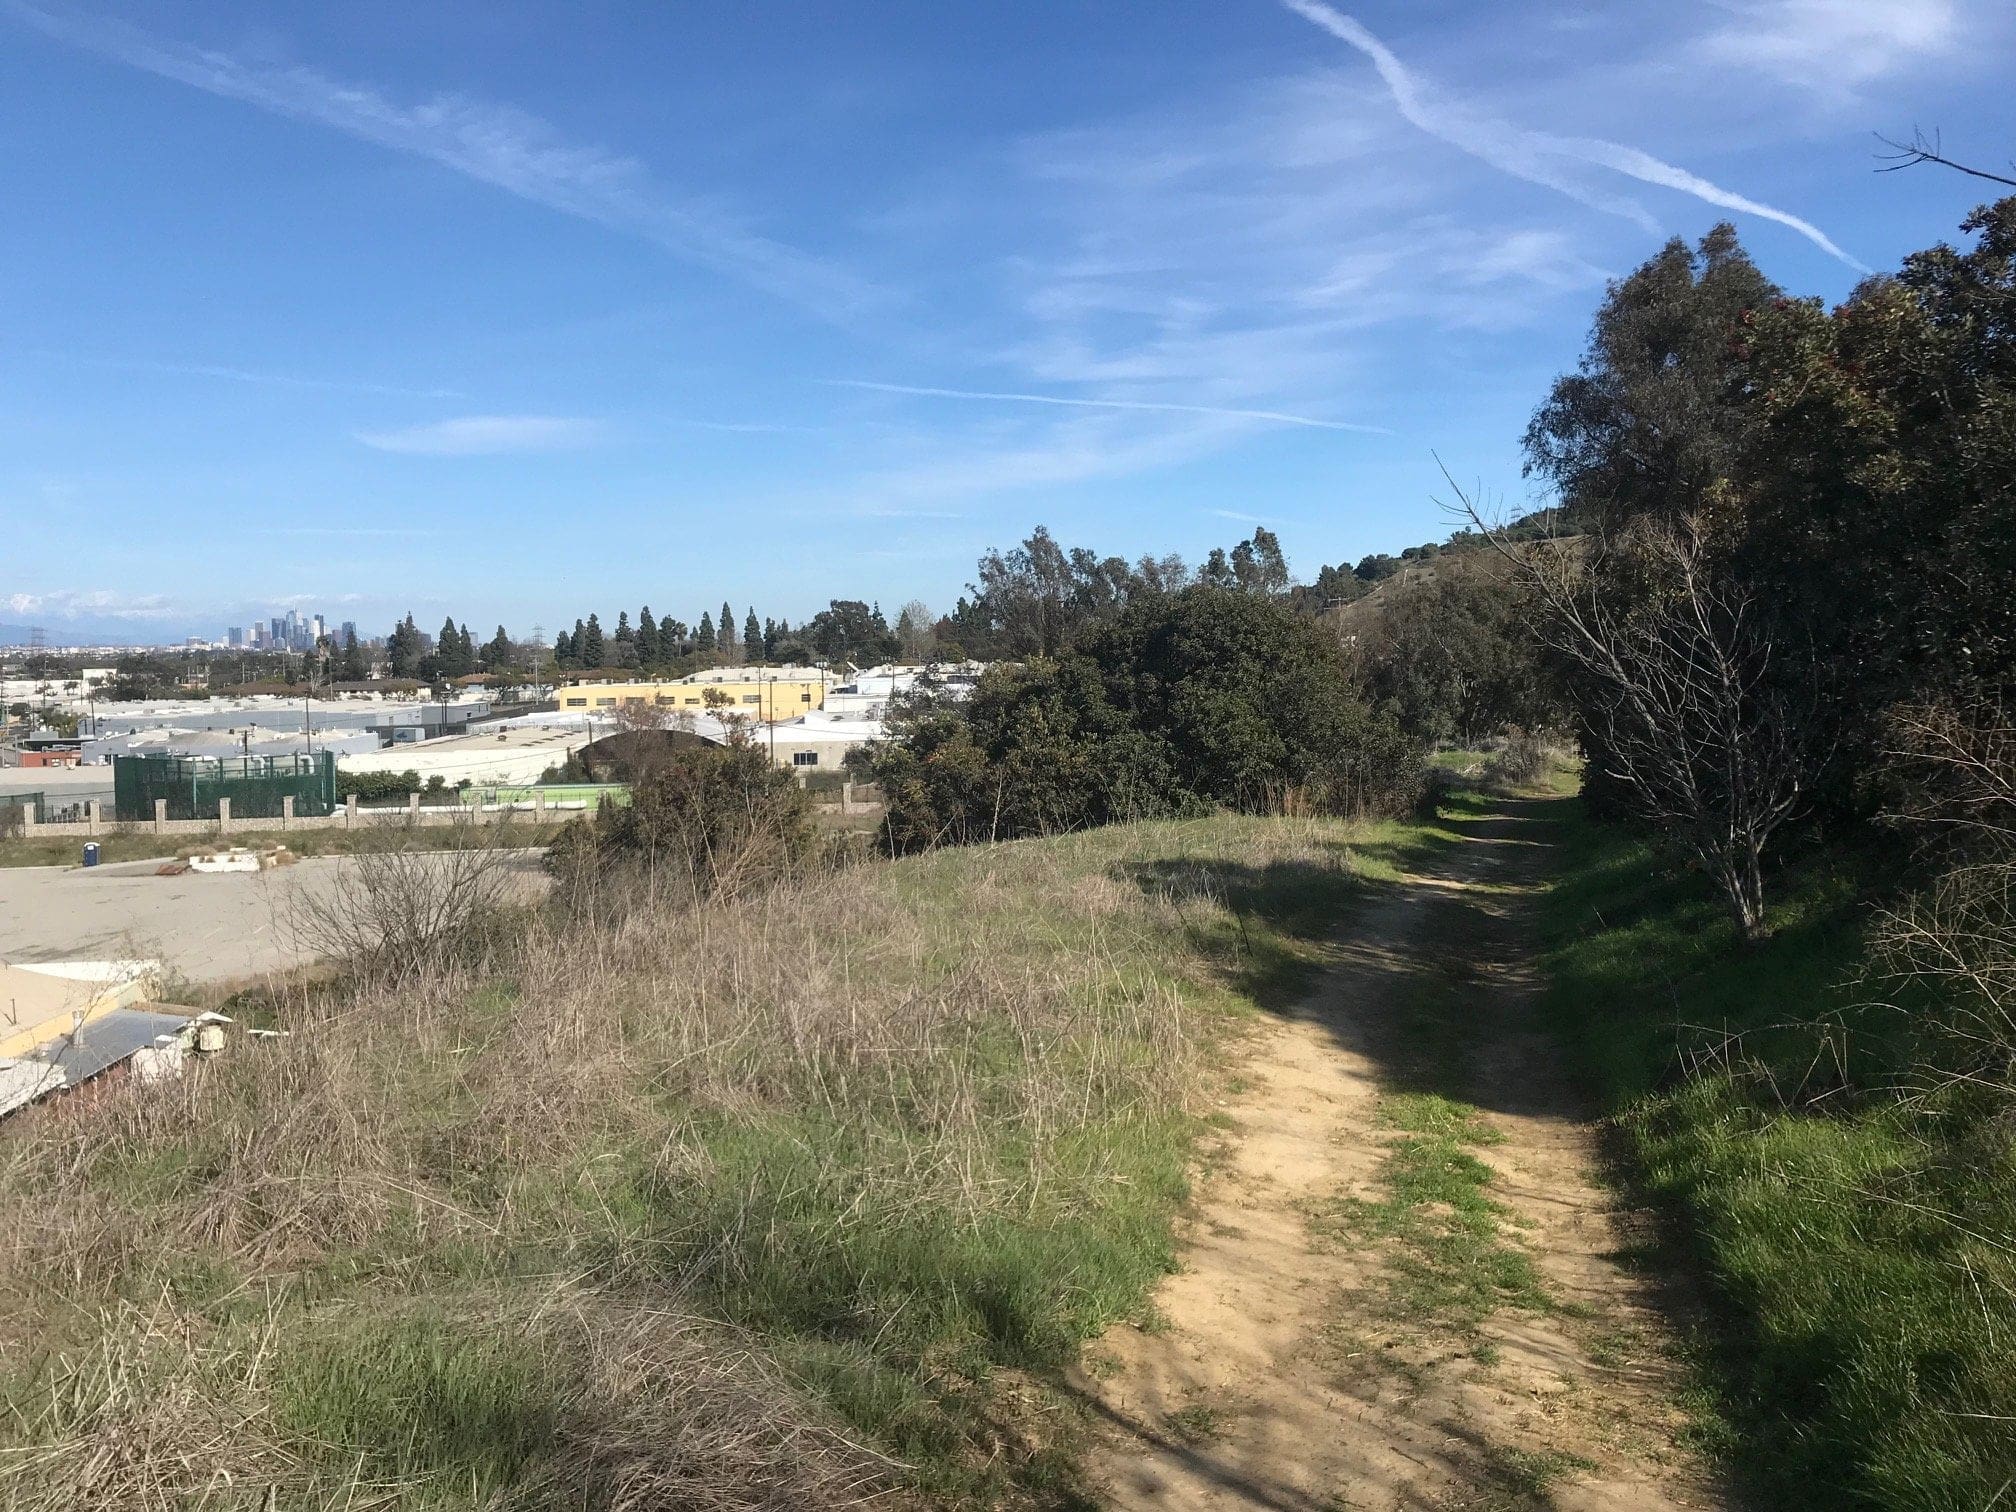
(757, 693)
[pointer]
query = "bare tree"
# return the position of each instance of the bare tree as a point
(1685, 686)
(916, 629)
(1957, 937)
(409, 893)
(637, 716)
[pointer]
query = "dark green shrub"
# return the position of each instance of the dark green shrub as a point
(1181, 702)
(722, 818)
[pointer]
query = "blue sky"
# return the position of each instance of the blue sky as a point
(516, 310)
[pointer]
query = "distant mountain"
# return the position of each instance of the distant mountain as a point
(102, 632)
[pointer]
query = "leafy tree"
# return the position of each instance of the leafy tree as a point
(847, 630)
(452, 656)
(1456, 655)
(1180, 701)
(1258, 565)
(403, 649)
(499, 654)
(1651, 423)
(671, 637)
(1376, 568)
(1163, 574)
(354, 667)
(1217, 570)
(1876, 505)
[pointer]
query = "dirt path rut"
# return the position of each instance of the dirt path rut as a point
(1302, 1364)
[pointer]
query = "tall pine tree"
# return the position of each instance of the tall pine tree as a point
(354, 667)
(593, 652)
(648, 652)
(703, 638)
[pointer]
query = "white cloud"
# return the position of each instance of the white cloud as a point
(248, 375)
(1271, 417)
(494, 144)
(348, 531)
(484, 435)
(1832, 47)
(1073, 451)
(1541, 157)
(76, 603)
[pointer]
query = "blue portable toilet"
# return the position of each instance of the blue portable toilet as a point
(90, 852)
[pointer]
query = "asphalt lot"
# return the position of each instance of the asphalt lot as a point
(216, 928)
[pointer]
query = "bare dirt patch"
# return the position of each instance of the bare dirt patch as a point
(1402, 1285)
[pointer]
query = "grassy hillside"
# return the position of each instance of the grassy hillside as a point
(771, 1204)
(1860, 1246)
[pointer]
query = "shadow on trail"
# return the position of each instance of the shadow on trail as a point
(1412, 973)
(1429, 977)
(1466, 1447)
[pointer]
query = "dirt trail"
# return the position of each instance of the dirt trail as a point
(1283, 1378)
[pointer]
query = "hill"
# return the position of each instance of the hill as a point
(774, 1202)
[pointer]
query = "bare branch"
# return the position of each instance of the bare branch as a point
(1919, 150)
(1685, 701)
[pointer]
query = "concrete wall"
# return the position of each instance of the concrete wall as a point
(350, 816)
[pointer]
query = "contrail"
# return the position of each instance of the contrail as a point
(1276, 416)
(494, 144)
(1529, 155)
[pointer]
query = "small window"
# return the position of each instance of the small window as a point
(666, 698)
(752, 698)
(804, 758)
(692, 700)
(627, 702)
(603, 703)
(804, 698)
(577, 703)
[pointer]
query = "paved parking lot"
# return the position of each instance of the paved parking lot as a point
(215, 928)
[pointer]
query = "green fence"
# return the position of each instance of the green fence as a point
(256, 785)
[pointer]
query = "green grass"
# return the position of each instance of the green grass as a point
(1449, 1260)
(1859, 1250)
(895, 1145)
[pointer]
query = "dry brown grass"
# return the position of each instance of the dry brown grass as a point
(645, 1203)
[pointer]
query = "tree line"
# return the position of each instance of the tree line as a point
(1797, 533)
